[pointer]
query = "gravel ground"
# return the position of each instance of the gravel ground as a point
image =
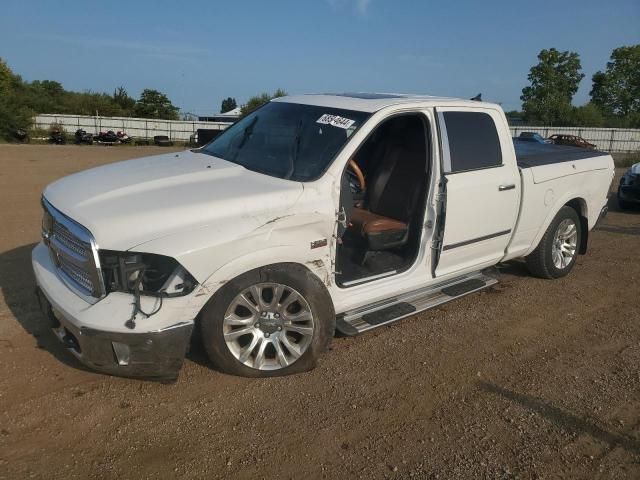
(529, 379)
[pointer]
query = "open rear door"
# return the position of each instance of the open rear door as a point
(480, 193)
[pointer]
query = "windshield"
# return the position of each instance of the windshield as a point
(287, 140)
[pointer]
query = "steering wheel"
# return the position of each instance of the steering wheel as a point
(353, 166)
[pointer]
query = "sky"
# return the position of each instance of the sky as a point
(199, 52)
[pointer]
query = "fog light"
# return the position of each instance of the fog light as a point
(122, 352)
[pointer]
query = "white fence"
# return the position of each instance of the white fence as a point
(606, 139)
(134, 127)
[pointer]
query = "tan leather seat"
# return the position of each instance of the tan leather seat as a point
(366, 222)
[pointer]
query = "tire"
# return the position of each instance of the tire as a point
(623, 205)
(544, 262)
(234, 344)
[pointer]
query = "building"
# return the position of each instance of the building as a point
(228, 117)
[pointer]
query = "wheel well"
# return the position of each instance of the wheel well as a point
(258, 272)
(580, 206)
(304, 273)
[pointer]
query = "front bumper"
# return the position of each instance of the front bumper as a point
(96, 334)
(629, 193)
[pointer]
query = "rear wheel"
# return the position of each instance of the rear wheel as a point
(268, 322)
(557, 252)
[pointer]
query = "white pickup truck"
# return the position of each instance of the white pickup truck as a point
(314, 213)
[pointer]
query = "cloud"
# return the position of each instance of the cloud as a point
(361, 7)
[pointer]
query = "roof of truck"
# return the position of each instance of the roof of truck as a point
(372, 102)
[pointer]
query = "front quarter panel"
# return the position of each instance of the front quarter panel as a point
(216, 254)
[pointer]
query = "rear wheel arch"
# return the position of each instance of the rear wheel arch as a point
(581, 208)
(557, 251)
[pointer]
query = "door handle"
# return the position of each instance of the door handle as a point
(504, 188)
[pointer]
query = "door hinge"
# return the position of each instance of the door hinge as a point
(334, 272)
(436, 244)
(341, 217)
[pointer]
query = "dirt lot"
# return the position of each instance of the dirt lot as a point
(531, 379)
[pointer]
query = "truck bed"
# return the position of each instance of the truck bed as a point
(531, 154)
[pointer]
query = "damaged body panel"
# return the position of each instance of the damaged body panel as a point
(97, 333)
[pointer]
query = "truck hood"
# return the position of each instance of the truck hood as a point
(128, 203)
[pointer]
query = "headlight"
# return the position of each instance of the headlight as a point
(145, 273)
(627, 179)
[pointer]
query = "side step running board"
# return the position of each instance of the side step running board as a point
(381, 313)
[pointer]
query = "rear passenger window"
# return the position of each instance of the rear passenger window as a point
(473, 141)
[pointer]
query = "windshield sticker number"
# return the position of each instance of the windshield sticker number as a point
(335, 121)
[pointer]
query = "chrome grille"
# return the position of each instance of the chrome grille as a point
(76, 273)
(71, 242)
(74, 253)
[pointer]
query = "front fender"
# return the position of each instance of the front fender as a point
(214, 256)
(318, 263)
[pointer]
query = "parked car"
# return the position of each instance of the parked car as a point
(532, 137)
(313, 214)
(123, 137)
(162, 141)
(572, 140)
(20, 136)
(107, 138)
(629, 188)
(81, 136)
(57, 137)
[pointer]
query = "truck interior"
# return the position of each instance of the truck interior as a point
(383, 195)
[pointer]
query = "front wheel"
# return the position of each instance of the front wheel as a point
(557, 252)
(268, 322)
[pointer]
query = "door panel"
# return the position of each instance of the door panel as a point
(481, 205)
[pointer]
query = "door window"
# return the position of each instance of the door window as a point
(473, 141)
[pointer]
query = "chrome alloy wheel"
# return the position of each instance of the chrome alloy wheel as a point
(564, 245)
(268, 326)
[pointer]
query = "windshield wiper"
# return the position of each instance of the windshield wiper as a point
(293, 158)
(248, 130)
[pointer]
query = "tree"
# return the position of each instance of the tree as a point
(49, 87)
(554, 82)
(123, 100)
(46, 96)
(259, 100)
(14, 114)
(228, 104)
(20, 101)
(588, 115)
(514, 117)
(617, 90)
(154, 104)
